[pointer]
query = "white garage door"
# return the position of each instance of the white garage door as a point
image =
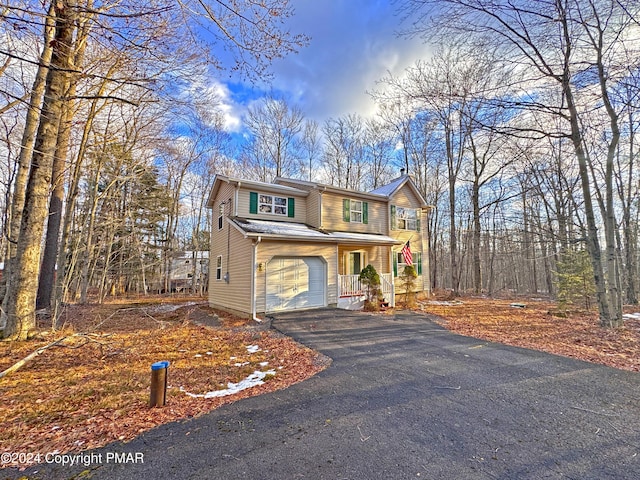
(295, 282)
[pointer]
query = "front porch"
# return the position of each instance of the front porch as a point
(351, 293)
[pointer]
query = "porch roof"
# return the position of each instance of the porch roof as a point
(301, 232)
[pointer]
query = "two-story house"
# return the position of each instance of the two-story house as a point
(293, 244)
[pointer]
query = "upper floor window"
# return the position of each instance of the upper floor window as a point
(220, 216)
(405, 218)
(355, 211)
(271, 204)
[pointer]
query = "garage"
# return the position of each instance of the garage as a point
(295, 283)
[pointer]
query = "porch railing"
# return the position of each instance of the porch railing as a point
(349, 286)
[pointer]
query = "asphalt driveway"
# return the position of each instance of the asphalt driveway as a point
(404, 398)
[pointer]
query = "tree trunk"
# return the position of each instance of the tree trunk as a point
(50, 258)
(593, 242)
(26, 151)
(477, 236)
(22, 292)
(54, 219)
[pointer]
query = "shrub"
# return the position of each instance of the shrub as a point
(371, 280)
(408, 280)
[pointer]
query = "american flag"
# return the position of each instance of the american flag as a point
(406, 254)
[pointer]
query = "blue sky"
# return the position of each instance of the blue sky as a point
(353, 44)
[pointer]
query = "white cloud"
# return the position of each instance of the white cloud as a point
(353, 44)
(217, 100)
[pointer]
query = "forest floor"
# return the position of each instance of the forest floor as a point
(93, 387)
(539, 325)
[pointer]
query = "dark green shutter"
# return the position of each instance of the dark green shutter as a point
(365, 212)
(291, 207)
(394, 223)
(395, 264)
(417, 257)
(346, 210)
(253, 202)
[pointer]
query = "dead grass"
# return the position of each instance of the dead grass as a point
(95, 389)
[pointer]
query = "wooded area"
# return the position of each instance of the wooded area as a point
(519, 129)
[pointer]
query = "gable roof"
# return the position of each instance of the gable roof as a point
(390, 189)
(261, 186)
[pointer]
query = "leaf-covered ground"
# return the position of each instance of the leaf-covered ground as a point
(94, 389)
(537, 326)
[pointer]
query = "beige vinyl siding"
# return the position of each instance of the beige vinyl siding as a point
(232, 296)
(314, 202)
(269, 249)
(300, 209)
(405, 197)
(377, 256)
(332, 215)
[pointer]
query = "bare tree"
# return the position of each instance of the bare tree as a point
(275, 127)
(149, 35)
(343, 151)
(590, 45)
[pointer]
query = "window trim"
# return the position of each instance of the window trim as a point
(219, 268)
(401, 216)
(347, 261)
(348, 212)
(353, 212)
(272, 205)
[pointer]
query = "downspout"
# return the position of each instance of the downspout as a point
(235, 202)
(254, 262)
(393, 280)
(320, 205)
(426, 262)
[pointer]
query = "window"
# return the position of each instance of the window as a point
(219, 267)
(220, 215)
(272, 204)
(355, 211)
(405, 218)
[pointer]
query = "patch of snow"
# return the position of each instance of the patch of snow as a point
(253, 348)
(255, 379)
(197, 355)
(632, 316)
(264, 364)
(445, 303)
(209, 353)
(240, 364)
